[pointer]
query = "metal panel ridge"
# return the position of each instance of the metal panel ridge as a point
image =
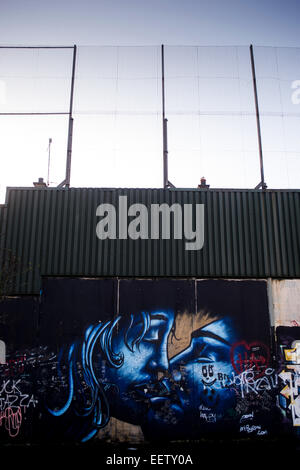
(247, 234)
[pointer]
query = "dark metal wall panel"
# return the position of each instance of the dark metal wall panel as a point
(3, 213)
(248, 233)
(2, 221)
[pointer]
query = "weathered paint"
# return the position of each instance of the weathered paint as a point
(285, 302)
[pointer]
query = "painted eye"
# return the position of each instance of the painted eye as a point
(205, 356)
(152, 341)
(151, 337)
(202, 360)
(154, 333)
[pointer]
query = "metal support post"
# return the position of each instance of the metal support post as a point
(262, 183)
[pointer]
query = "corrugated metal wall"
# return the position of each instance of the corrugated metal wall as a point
(248, 233)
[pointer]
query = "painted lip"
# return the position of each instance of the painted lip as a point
(209, 383)
(149, 390)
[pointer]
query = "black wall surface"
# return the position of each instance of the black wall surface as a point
(177, 358)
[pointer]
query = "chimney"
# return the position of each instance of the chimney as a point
(203, 184)
(40, 183)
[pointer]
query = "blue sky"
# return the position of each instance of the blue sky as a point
(151, 22)
(111, 148)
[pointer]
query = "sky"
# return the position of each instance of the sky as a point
(151, 22)
(117, 137)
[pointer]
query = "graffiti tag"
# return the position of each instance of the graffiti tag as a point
(12, 420)
(13, 402)
(248, 382)
(291, 380)
(254, 356)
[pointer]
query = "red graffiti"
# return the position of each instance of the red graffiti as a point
(12, 420)
(14, 367)
(253, 356)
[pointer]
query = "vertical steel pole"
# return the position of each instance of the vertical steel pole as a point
(70, 132)
(49, 152)
(165, 121)
(262, 182)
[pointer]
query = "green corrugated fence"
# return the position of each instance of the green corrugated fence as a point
(52, 232)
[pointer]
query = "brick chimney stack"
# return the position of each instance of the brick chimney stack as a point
(40, 183)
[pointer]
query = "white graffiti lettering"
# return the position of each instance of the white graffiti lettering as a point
(248, 383)
(12, 404)
(208, 417)
(249, 416)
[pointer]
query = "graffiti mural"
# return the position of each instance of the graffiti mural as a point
(156, 359)
(112, 368)
(289, 355)
(222, 381)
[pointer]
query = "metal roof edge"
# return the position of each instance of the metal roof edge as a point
(27, 188)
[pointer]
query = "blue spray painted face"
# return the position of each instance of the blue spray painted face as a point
(203, 372)
(136, 381)
(199, 387)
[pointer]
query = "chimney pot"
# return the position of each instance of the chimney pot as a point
(203, 183)
(40, 183)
